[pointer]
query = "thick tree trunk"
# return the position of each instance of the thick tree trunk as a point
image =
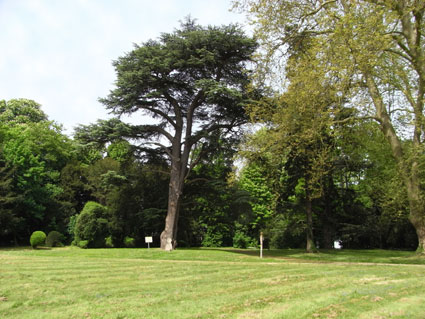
(169, 235)
(328, 229)
(417, 211)
(310, 247)
(417, 220)
(408, 168)
(327, 235)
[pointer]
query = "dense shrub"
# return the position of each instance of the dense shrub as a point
(54, 239)
(37, 238)
(212, 239)
(129, 242)
(241, 240)
(92, 225)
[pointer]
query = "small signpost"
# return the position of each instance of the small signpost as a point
(261, 244)
(148, 240)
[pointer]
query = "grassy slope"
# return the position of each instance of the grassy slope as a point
(208, 283)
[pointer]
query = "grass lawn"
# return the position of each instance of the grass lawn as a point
(210, 283)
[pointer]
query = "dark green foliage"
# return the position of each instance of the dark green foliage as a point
(181, 65)
(55, 239)
(92, 225)
(134, 192)
(212, 204)
(37, 238)
(137, 199)
(77, 190)
(286, 231)
(10, 222)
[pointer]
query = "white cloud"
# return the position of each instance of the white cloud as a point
(59, 52)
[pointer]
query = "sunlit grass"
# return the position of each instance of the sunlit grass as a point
(209, 283)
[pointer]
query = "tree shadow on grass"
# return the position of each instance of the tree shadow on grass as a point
(300, 255)
(335, 255)
(267, 253)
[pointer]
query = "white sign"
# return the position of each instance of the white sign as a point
(337, 244)
(148, 240)
(261, 244)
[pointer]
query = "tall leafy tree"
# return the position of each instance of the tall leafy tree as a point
(303, 126)
(33, 152)
(254, 181)
(192, 82)
(37, 152)
(376, 49)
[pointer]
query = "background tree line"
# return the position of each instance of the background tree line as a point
(47, 178)
(319, 169)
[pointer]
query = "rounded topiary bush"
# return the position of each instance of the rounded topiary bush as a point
(54, 239)
(92, 225)
(37, 238)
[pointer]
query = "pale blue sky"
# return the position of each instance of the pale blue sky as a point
(59, 52)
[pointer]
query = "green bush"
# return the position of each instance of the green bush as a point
(37, 238)
(92, 225)
(54, 239)
(129, 242)
(83, 244)
(212, 239)
(241, 240)
(109, 242)
(71, 225)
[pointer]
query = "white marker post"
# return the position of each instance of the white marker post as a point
(261, 244)
(148, 240)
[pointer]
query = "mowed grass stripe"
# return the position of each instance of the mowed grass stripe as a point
(51, 286)
(105, 279)
(303, 300)
(297, 276)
